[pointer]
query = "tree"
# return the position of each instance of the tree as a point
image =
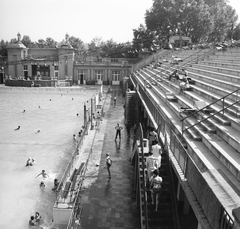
(223, 18)
(41, 43)
(143, 38)
(3, 49)
(78, 45)
(27, 42)
(236, 32)
(201, 20)
(50, 43)
(94, 48)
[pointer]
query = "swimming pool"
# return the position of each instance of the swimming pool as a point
(53, 111)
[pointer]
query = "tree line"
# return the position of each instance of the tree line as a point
(204, 21)
(97, 47)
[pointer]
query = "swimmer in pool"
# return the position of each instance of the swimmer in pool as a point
(38, 131)
(42, 185)
(56, 183)
(37, 217)
(24, 111)
(18, 128)
(30, 162)
(43, 173)
(31, 222)
(74, 137)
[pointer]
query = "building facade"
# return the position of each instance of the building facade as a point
(49, 66)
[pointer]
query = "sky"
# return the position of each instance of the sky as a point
(84, 19)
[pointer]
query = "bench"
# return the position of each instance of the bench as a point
(73, 174)
(66, 189)
(79, 171)
(171, 97)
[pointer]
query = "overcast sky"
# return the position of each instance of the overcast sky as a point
(85, 19)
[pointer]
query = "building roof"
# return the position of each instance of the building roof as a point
(174, 38)
(17, 44)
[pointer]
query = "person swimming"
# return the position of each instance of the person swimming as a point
(31, 222)
(56, 183)
(38, 131)
(43, 173)
(42, 185)
(30, 162)
(18, 128)
(37, 217)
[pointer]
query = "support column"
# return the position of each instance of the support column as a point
(199, 226)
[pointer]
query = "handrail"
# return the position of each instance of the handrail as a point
(210, 116)
(194, 54)
(222, 98)
(173, 198)
(144, 187)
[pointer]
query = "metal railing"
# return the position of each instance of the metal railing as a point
(208, 106)
(70, 164)
(77, 210)
(226, 222)
(193, 57)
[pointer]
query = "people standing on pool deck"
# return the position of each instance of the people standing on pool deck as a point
(118, 129)
(43, 173)
(108, 163)
(17, 128)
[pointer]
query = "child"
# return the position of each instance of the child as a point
(108, 163)
(43, 173)
(42, 185)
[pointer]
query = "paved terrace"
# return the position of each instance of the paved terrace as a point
(109, 203)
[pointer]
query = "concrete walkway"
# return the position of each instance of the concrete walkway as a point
(109, 203)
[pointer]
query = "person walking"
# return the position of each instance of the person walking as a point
(157, 152)
(109, 164)
(115, 100)
(118, 129)
(156, 188)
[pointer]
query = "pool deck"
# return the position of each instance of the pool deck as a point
(109, 203)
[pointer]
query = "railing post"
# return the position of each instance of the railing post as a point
(223, 106)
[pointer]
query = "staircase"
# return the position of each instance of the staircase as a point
(131, 108)
(164, 217)
(213, 137)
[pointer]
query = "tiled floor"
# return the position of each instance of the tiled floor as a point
(111, 203)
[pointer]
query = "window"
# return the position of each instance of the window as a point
(98, 75)
(115, 75)
(55, 67)
(25, 71)
(81, 73)
(114, 60)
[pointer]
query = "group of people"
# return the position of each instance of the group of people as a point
(181, 75)
(35, 220)
(97, 118)
(153, 165)
(30, 162)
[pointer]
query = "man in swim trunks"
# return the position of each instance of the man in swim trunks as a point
(43, 173)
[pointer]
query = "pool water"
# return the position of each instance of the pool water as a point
(53, 111)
